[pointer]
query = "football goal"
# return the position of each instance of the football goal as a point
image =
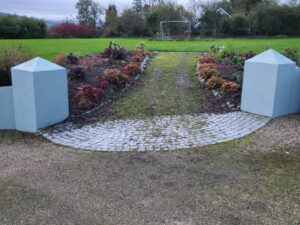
(175, 30)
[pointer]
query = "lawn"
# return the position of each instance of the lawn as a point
(49, 48)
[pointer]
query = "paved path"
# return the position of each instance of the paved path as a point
(157, 133)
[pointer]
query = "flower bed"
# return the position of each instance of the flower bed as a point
(221, 73)
(96, 80)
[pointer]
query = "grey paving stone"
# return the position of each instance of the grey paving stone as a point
(158, 133)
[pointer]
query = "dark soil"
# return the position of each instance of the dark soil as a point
(93, 77)
(227, 70)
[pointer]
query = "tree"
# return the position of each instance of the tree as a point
(294, 2)
(89, 12)
(130, 29)
(13, 26)
(165, 11)
(111, 21)
(137, 5)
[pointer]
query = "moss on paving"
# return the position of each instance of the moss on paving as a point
(170, 89)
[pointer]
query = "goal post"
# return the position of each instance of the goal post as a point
(175, 29)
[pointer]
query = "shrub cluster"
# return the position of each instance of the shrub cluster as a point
(132, 69)
(230, 87)
(115, 77)
(87, 96)
(139, 54)
(214, 83)
(77, 72)
(293, 54)
(208, 65)
(104, 84)
(61, 60)
(207, 59)
(115, 51)
(88, 64)
(141, 51)
(10, 57)
(71, 59)
(208, 72)
(237, 59)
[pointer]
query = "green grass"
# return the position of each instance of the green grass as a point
(169, 89)
(49, 48)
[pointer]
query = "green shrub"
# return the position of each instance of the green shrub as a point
(238, 76)
(13, 26)
(230, 87)
(217, 51)
(10, 57)
(293, 54)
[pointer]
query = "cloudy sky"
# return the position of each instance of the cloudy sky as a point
(57, 9)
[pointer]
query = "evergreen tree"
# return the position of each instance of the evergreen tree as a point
(111, 21)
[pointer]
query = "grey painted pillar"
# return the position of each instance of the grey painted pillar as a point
(40, 94)
(271, 85)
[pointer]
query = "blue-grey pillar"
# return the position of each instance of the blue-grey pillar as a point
(7, 114)
(40, 93)
(271, 85)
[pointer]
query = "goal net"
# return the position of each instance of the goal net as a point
(175, 30)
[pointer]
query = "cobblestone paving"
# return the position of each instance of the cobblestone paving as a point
(157, 133)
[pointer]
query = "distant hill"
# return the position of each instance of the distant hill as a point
(48, 22)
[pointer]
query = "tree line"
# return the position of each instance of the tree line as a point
(244, 18)
(250, 18)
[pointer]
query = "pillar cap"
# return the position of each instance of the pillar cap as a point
(37, 64)
(271, 57)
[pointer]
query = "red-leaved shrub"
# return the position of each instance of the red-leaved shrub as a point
(87, 96)
(207, 59)
(115, 76)
(214, 83)
(88, 64)
(77, 72)
(208, 65)
(230, 87)
(61, 60)
(142, 52)
(71, 30)
(132, 69)
(208, 72)
(104, 84)
(138, 58)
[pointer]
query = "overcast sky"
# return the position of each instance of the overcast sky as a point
(57, 9)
